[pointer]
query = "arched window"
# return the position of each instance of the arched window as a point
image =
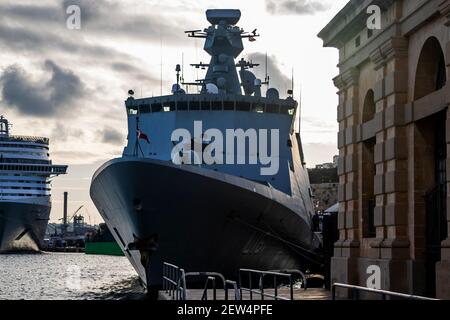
(368, 170)
(431, 72)
(368, 194)
(369, 107)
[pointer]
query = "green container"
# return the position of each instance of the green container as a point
(103, 248)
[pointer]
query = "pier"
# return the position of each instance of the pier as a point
(256, 285)
(299, 294)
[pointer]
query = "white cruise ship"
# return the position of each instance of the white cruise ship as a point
(25, 189)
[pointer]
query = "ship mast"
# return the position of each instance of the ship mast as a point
(223, 42)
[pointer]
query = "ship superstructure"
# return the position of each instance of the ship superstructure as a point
(212, 181)
(25, 189)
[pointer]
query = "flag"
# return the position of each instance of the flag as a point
(142, 136)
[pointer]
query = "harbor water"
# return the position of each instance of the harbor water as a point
(67, 276)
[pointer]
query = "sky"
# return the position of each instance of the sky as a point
(70, 85)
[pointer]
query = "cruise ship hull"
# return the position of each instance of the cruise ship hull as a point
(200, 220)
(22, 225)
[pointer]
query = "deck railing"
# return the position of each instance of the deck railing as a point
(40, 140)
(261, 275)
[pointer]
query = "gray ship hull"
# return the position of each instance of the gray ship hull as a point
(200, 220)
(22, 226)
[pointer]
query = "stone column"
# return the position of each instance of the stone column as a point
(351, 245)
(379, 60)
(391, 158)
(443, 267)
(347, 247)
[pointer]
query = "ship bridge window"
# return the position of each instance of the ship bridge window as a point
(132, 111)
(169, 106)
(206, 105)
(228, 105)
(273, 108)
(144, 108)
(216, 105)
(286, 110)
(182, 105)
(243, 106)
(157, 107)
(258, 107)
(194, 105)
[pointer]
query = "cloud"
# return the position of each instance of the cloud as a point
(319, 153)
(26, 30)
(111, 136)
(78, 157)
(113, 17)
(317, 124)
(124, 67)
(278, 79)
(134, 72)
(62, 133)
(296, 7)
(99, 18)
(91, 10)
(44, 97)
(20, 39)
(37, 13)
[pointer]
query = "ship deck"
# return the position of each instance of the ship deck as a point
(299, 294)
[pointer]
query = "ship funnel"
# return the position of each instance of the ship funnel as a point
(229, 16)
(4, 126)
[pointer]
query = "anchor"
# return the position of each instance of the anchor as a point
(146, 247)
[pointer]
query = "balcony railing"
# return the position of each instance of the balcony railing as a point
(40, 140)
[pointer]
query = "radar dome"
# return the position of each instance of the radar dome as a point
(211, 88)
(273, 94)
(229, 16)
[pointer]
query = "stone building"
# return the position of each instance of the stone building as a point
(325, 195)
(394, 133)
(324, 185)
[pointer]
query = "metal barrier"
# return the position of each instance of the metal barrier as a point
(260, 291)
(355, 290)
(205, 290)
(210, 277)
(296, 272)
(237, 292)
(174, 281)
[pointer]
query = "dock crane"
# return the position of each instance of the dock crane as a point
(74, 216)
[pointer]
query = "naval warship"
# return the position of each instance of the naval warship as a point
(25, 190)
(194, 203)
